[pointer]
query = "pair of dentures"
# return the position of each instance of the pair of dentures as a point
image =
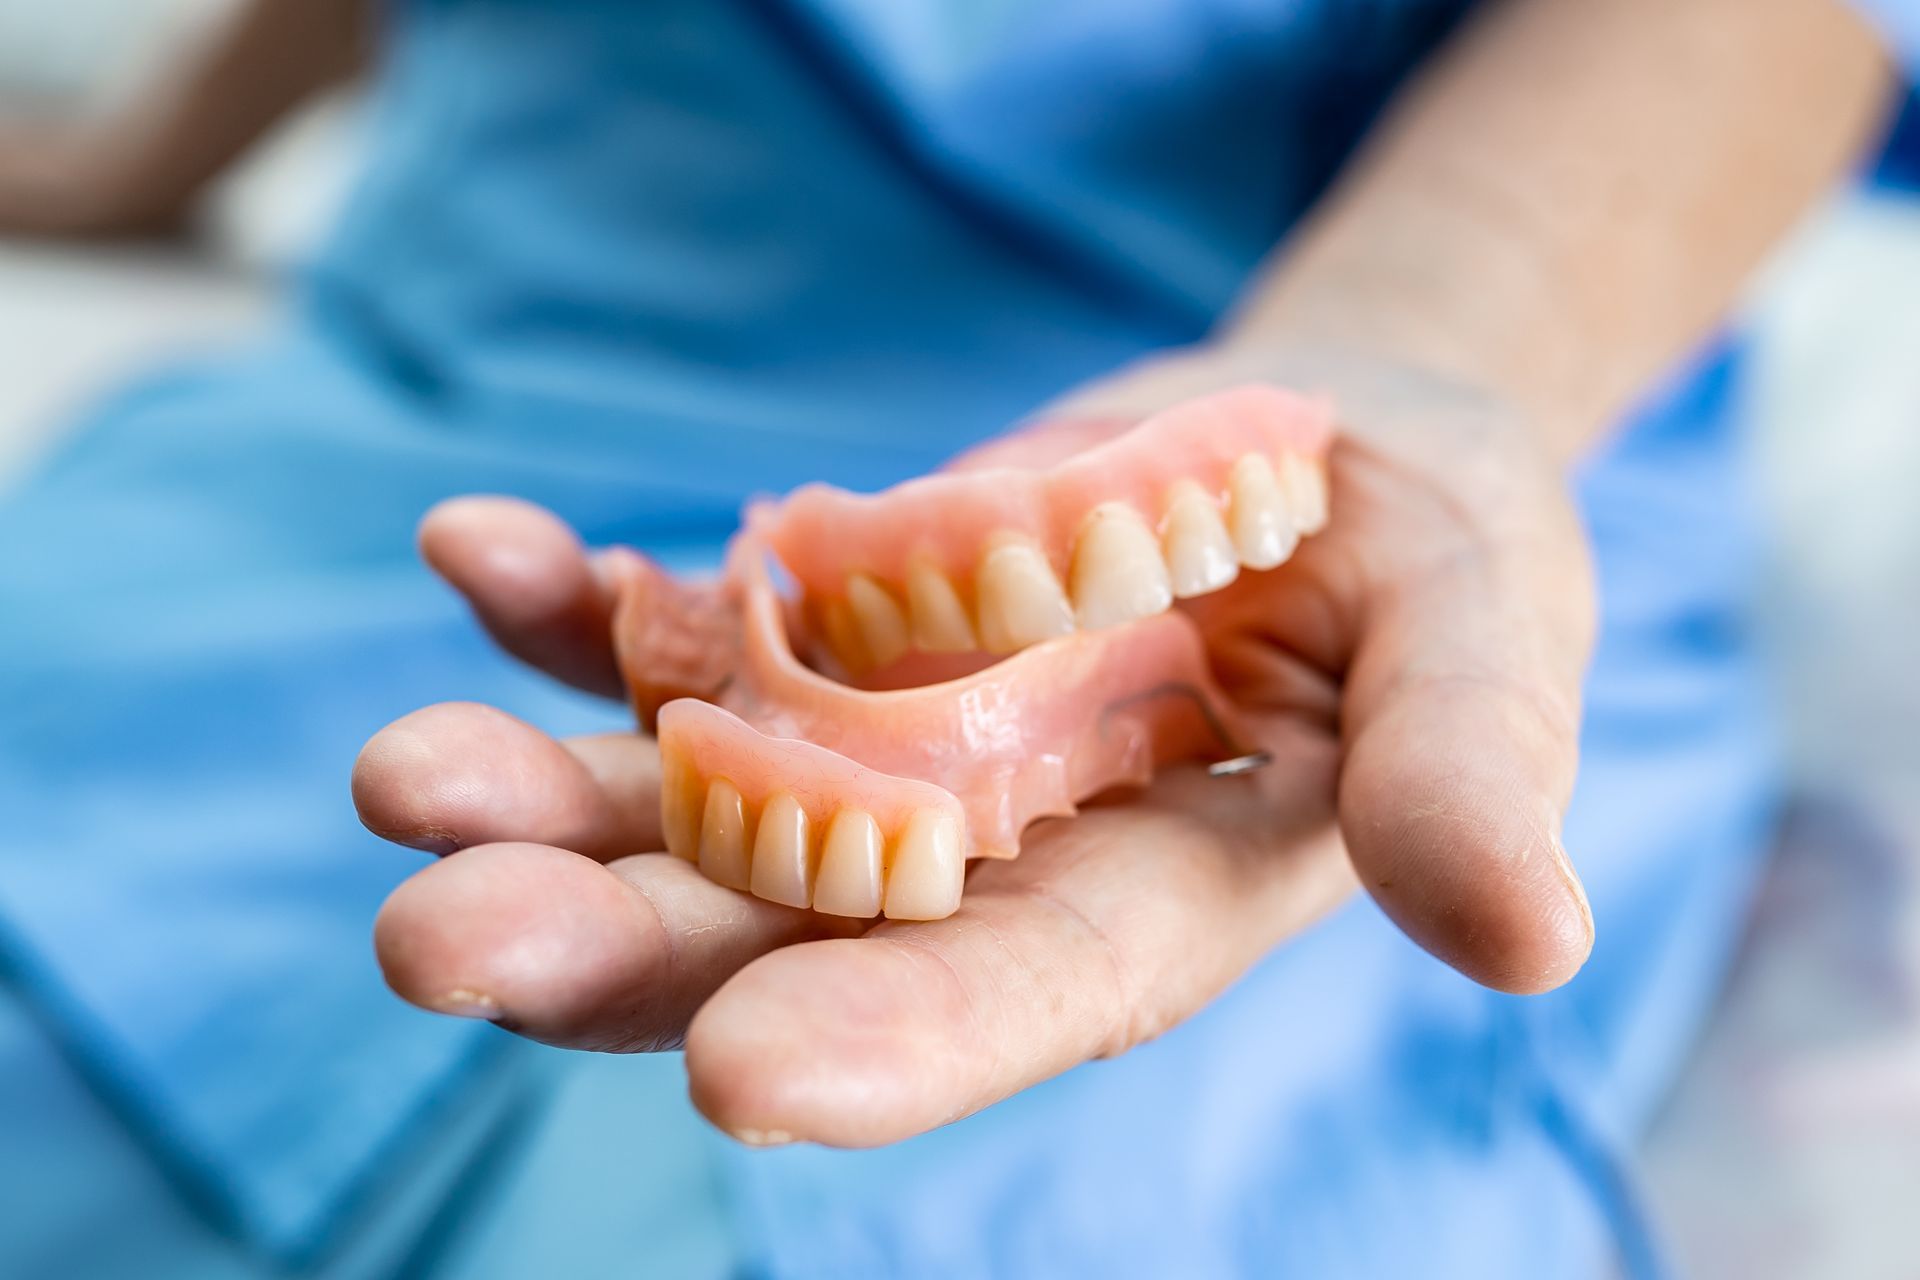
(781, 780)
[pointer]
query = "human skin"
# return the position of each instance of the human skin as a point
(864, 783)
(138, 170)
(1546, 221)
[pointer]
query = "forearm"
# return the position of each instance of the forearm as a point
(271, 56)
(1574, 194)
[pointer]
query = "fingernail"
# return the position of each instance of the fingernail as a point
(1574, 886)
(461, 1003)
(763, 1137)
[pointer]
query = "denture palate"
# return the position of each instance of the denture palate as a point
(813, 793)
(1004, 557)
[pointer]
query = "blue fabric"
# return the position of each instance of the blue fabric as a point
(1350, 1080)
(1899, 21)
(520, 1181)
(777, 222)
(638, 262)
(214, 615)
(1899, 163)
(1353, 1108)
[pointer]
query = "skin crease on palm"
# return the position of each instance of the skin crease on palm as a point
(1559, 209)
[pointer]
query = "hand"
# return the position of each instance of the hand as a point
(1414, 670)
(74, 181)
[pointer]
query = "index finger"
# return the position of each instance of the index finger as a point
(539, 593)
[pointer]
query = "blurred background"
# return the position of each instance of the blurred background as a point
(1789, 1148)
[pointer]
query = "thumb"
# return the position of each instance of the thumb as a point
(1462, 731)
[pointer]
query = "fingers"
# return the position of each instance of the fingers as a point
(537, 591)
(1103, 933)
(545, 941)
(564, 950)
(456, 775)
(1462, 723)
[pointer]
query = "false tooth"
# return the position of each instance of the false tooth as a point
(782, 862)
(1020, 601)
(724, 838)
(1199, 553)
(843, 635)
(940, 623)
(681, 801)
(883, 627)
(928, 869)
(850, 857)
(1305, 485)
(1263, 531)
(1117, 573)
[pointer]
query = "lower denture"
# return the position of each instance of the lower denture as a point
(796, 823)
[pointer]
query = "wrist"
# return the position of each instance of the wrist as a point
(1490, 332)
(1413, 411)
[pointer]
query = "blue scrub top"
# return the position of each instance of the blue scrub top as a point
(857, 233)
(638, 262)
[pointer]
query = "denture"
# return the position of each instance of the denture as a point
(1024, 542)
(780, 780)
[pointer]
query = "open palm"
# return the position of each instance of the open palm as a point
(1414, 672)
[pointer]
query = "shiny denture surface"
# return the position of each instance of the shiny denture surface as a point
(795, 786)
(1019, 545)
(972, 761)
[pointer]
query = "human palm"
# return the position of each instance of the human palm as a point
(1413, 671)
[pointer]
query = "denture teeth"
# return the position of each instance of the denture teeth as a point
(1117, 573)
(850, 866)
(928, 870)
(940, 622)
(783, 853)
(682, 799)
(1305, 485)
(724, 838)
(1262, 528)
(1200, 555)
(842, 632)
(882, 623)
(1020, 601)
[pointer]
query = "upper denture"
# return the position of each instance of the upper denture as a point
(689, 632)
(1006, 555)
